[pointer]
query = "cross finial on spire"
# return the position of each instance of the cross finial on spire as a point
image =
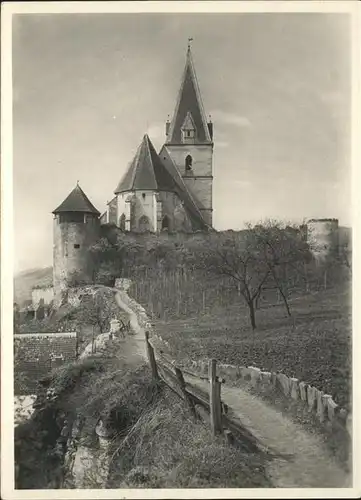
(77, 183)
(189, 42)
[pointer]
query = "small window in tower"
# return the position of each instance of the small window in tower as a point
(76, 245)
(143, 196)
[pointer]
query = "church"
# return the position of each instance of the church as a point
(166, 191)
(170, 190)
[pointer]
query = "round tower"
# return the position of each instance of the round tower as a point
(76, 228)
(322, 236)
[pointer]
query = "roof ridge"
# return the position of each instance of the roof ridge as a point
(145, 142)
(199, 98)
(136, 164)
(159, 168)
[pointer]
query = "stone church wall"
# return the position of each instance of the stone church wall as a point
(144, 205)
(169, 203)
(199, 180)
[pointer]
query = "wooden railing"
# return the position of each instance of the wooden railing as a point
(201, 403)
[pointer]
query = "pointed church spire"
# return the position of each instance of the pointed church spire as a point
(189, 109)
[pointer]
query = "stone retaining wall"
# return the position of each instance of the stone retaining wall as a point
(315, 401)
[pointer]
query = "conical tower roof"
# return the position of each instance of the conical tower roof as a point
(189, 107)
(77, 201)
(146, 171)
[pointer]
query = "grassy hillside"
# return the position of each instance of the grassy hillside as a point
(314, 345)
(155, 442)
(26, 280)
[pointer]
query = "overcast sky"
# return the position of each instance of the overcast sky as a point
(87, 88)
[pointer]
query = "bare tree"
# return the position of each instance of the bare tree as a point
(238, 256)
(94, 312)
(285, 252)
(264, 256)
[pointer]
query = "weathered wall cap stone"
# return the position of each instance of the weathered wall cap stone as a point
(266, 377)
(331, 409)
(284, 382)
(311, 397)
(246, 373)
(320, 405)
(294, 388)
(228, 371)
(303, 390)
(255, 374)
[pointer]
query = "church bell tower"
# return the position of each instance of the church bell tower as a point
(189, 141)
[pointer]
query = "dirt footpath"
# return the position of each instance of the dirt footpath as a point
(309, 464)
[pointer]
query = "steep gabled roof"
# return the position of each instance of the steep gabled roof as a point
(182, 191)
(189, 101)
(146, 171)
(77, 201)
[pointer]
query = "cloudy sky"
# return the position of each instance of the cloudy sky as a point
(88, 86)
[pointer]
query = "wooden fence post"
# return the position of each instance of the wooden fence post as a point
(151, 357)
(93, 341)
(214, 398)
(218, 405)
(187, 398)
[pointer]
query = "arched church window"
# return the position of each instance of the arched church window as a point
(122, 222)
(165, 222)
(188, 163)
(144, 224)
